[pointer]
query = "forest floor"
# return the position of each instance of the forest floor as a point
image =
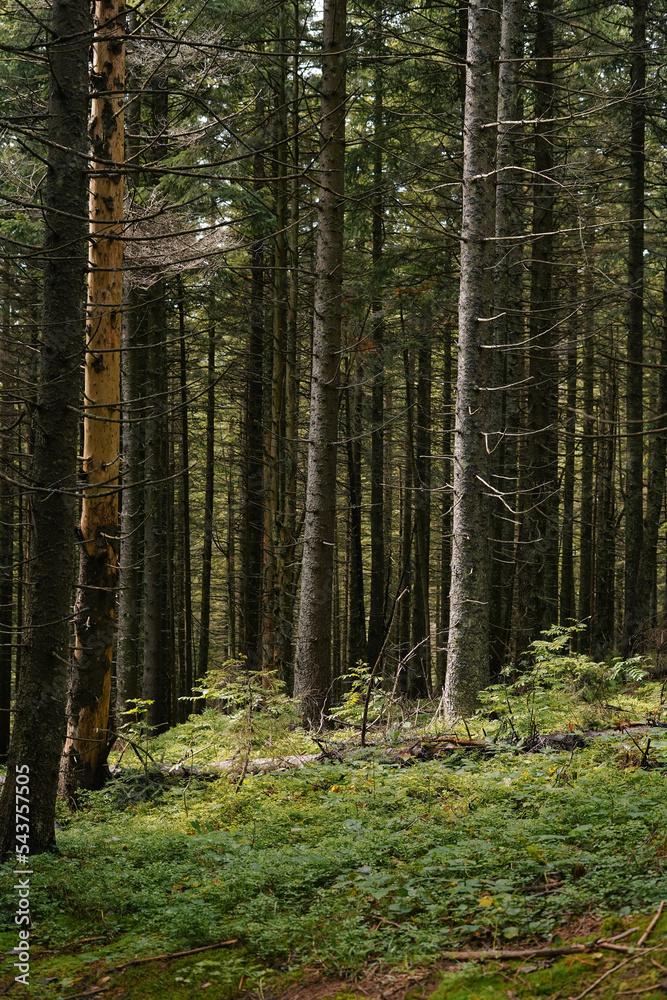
(371, 872)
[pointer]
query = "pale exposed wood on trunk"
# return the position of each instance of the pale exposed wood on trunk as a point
(95, 613)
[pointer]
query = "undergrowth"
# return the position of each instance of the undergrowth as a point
(343, 864)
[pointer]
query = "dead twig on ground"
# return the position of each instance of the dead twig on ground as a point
(652, 924)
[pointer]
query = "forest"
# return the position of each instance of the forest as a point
(333, 446)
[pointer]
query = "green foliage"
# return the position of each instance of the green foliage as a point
(344, 864)
(553, 673)
(356, 682)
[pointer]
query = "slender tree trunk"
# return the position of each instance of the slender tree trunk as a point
(128, 654)
(634, 403)
(95, 613)
(185, 500)
(507, 305)
(356, 619)
(313, 659)
(231, 560)
(605, 520)
(378, 577)
(446, 515)
(567, 594)
(273, 555)
(587, 525)
(420, 662)
(288, 527)
(253, 469)
(205, 613)
(157, 664)
(537, 552)
(655, 488)
(39, 719)
(7, 504)
(468, 650)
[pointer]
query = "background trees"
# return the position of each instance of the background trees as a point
(228, 139)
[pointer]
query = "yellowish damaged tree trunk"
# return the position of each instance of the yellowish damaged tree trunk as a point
(95, 611)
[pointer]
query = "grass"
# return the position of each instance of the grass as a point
(346, 867)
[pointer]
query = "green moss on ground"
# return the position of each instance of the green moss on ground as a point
(348, 866)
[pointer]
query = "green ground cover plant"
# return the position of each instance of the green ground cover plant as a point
(348, 864)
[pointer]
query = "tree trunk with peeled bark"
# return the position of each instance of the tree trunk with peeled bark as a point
(95, 612)
(468, 649)
(312, 673)
(39, 719)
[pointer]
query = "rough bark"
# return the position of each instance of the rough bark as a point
(7, 505)
(356, 617)
(605, 518)
(187, 660)
(468, 649)
(39, 720)
(128, 655)
(567, 608)
(537, 552)
(446, 513)
(419, 667)
(507, 305)
(95, 612)
(378, 576)
(587, 519)
(288, 526)
(205, 611)
(634, 403)
(157, 667)
(313, 657)
(646, 576)
(253, 469)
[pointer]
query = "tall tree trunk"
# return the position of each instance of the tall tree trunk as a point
(95, 613)
(128, 654)
(446, 514)
(253, 469)
(158, 666)
(605, 519)
(587, 525)
(378, 577)
(356, 618)
(419, 677)
(39, 719)
(468, 649)
(507, 306)
(646, 575)
(567, 595)
(185, 501)
(537, 552)
(634, 403)
(7, 504)
(205, 613)
(157, 663)
(313, 658)
(288, 527)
